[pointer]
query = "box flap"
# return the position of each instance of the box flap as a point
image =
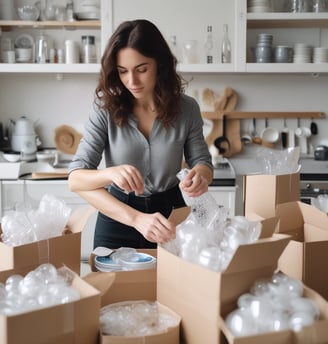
(79, 218)
(269, 225)
(102, 281)
(314, 233)
(250, 256)
(178, 215)
(289, 187)
(290, 216)
(314, 216)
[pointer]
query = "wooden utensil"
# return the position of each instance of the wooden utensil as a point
(256, 137)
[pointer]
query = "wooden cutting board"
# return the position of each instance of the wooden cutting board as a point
(60, 173)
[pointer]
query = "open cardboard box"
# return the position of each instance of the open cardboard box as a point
(129, 285)
(199, 295)
(306, 255)
(71, 323)
(316, 333)
(64, 249)
(262, 193)
(132, 286)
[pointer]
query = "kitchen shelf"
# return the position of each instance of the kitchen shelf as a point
(286, 20)
(312, 68)
(204, 68)
(58, 68)
(262, 114)
(8, 25)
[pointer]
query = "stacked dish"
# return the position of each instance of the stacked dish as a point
(133, 261)
(263, 49)
(23, 48)
(302, 53)
(259, 6)
(320, 55)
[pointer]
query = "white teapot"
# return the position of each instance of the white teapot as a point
(24, 138)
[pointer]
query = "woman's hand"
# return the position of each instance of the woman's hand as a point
(128, 178)
(155, 227)
(194, 184)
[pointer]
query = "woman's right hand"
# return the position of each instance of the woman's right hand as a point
(128, 178)
(155, 227)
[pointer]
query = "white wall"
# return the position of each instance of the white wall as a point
(47, 101)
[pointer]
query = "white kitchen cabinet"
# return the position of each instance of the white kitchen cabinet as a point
(185, 22)
(225, 196)
(287, 29)
(58, 32)
(115, 11)
(29, 191)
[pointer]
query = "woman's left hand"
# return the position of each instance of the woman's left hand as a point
(194, 184)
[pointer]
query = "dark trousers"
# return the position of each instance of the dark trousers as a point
(112, 234)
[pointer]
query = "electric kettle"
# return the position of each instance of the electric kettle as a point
(24, 139)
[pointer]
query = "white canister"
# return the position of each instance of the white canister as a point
(72, 52)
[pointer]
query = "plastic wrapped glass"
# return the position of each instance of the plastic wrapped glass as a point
(272, 304)
(277, 162)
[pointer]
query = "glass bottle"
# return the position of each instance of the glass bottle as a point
(70, 10)
(225, 46)
(173, 46)
(89, 53)
(209, 45)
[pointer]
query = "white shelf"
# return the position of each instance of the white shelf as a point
(79, 68)
(311, 68)
(95, 68)
(203, 68)
(286, 20)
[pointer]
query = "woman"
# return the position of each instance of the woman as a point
(144, 125)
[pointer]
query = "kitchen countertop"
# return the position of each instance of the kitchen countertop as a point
(247, 163)
(244, 163)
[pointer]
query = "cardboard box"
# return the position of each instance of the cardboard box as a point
(64, 249)
(314, 334)
(129, 285)
(169, 336)
(199, 295)
(132, 286)
(72, 323)
(306, 255)
(262, 193)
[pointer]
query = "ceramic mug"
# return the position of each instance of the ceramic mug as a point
(283, 54)
(303, 132)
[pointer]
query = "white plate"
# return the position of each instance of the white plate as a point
(24, 41)
(88, 15)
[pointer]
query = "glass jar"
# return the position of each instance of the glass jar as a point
(89, 52)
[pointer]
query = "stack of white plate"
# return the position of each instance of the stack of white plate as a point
(302, 53)
(87, 9)
(139, 261)
(259, 6)
(320, 55)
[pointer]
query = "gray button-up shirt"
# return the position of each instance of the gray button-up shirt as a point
(159, 159)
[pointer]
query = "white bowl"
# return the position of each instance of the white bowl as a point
(46, 156)
(12, 157)
(23, 54)
(270, 135)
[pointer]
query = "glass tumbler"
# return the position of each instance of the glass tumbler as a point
(190, 51)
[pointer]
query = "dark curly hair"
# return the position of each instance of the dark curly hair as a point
(144, 37)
